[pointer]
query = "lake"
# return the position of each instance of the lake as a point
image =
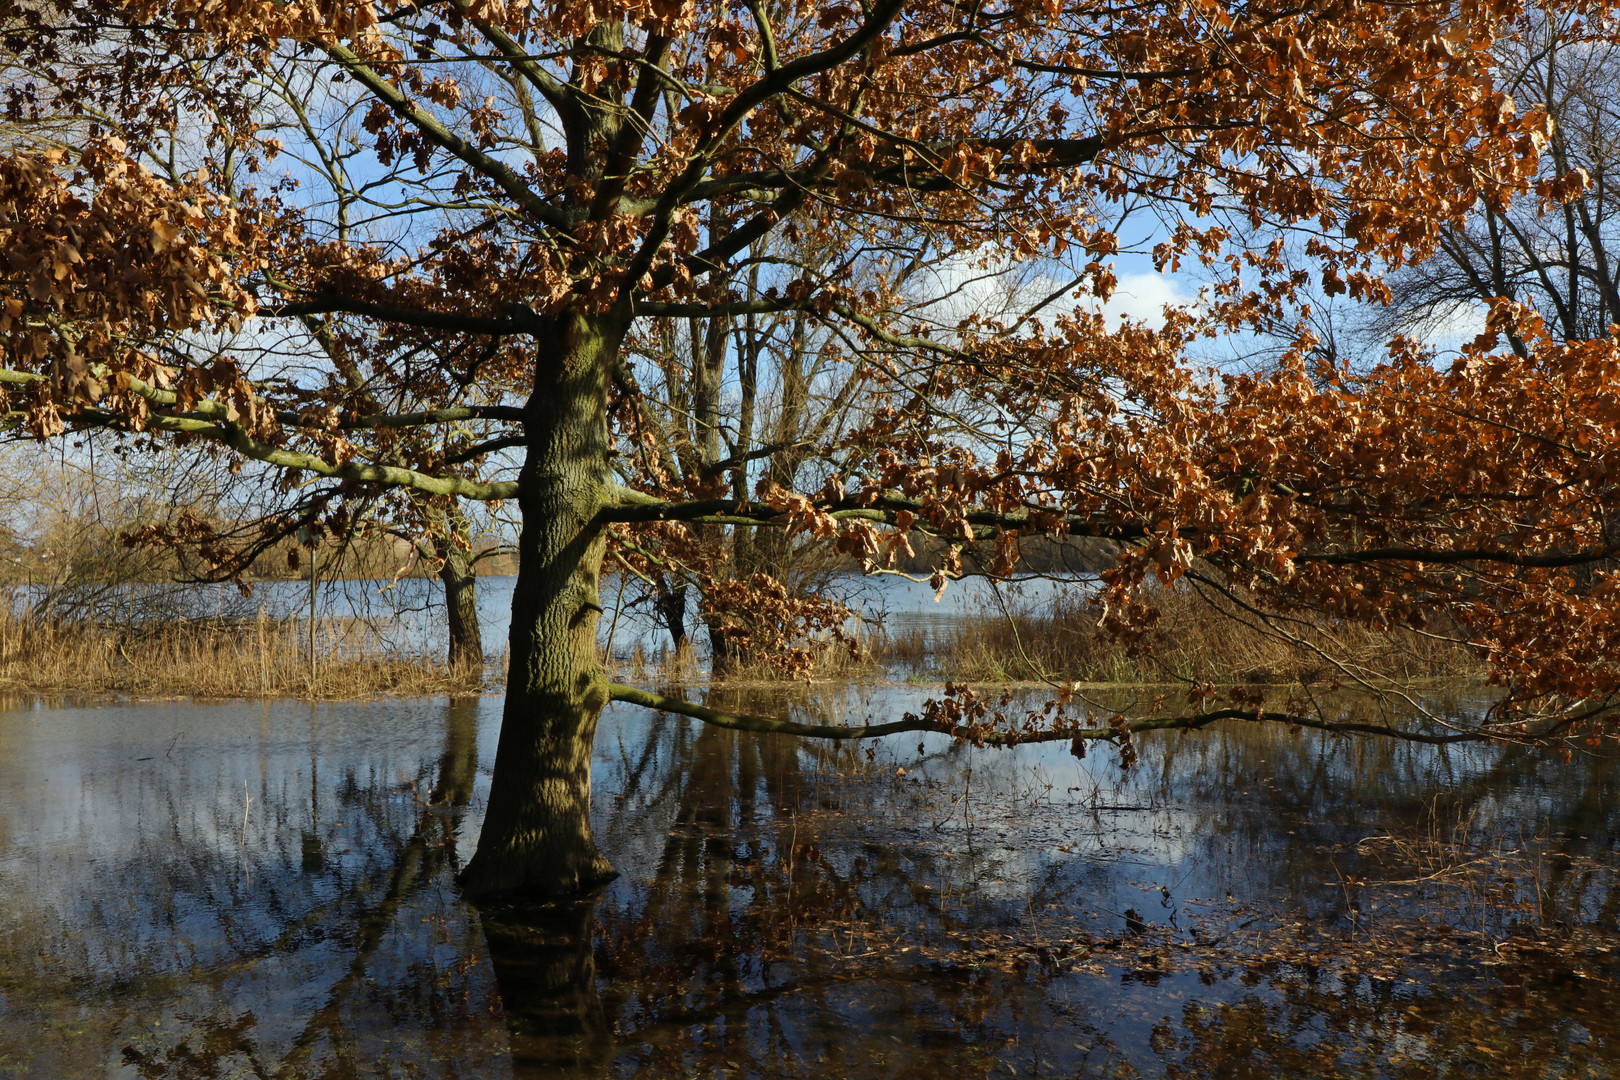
(407, 618)
(230, 889)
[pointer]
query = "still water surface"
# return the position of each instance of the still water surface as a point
(406, 617)
(228, 889)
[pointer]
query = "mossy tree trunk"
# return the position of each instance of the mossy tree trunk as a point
(452, 546)
(461, 603)
(536, 838)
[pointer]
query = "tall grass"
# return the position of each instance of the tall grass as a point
(1194, 638)
(214, 658)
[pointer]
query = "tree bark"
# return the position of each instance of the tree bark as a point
(721, 658)
(537, 838)
(460, 577)
(670, 601)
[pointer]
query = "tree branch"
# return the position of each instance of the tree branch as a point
(488, 446)
(737, 110)
(217, 410)
(1499, 556)
(558, 95)
(503, 176)
(232, 435)
(431, 320)
(635, 506)
(237, 439)
(1004, 737)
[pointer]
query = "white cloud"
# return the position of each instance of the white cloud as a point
(1142, 297)
(966, 284)
(1448, 329)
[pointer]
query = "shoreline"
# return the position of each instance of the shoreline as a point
(422, 680)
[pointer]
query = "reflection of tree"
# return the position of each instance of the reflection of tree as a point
(340, 940)
(746, 942)
(546, 970)
(1531, 834)
(428, 855)
(1326, 1028)
(749, 943)
(458, 765)
(797, 913)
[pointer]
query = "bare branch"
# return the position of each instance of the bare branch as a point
(1061, 733)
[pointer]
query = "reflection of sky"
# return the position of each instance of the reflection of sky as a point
(138, 898)
(143, 886)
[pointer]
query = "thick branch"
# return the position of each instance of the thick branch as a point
(510, 414)
(233, 436)
(237, 439)
(1499, 556)
(431, 320)
(218, 410)
(636, 506)
(722, 309)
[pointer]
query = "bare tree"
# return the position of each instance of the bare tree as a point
(1557, 253)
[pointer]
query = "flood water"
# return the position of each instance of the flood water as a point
(246, 890)
(356, 616)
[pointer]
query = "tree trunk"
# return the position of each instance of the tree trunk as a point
(458, 764)
(460, 577)
(721, 658)
(537, 831)
(461, 604)
(670, 601)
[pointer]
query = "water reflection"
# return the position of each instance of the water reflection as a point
(224, 890)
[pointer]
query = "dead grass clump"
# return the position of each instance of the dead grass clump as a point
(263, 658)
(686, 666)
(1204, 638)
(665, 667)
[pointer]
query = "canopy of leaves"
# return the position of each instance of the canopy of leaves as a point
(477, 190)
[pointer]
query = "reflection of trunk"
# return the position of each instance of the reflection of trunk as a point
(458, 765)
(691, 888)
(418, 861)
(537, 831)
(546, 972)
(452, 544)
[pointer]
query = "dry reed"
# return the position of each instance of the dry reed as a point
(263, 658)
(1194, 639)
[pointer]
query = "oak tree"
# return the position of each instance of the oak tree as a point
(543, 182)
